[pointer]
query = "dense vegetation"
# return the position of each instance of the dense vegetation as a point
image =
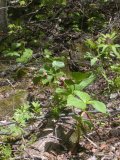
(66, 55)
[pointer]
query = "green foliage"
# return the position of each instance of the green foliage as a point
(52, 2)
(115, 68)
(81, 100)
(98, 106)
(85, 82)
(26, 56)
(5, 152)
(82, 127)
(67, 89)
(104, 52)
(22, 115)
(117, 82)
(50, 73)
(36, 107)
(19, 52)
(57, 65)
(14, 28)
(104, 47)
(68, 93)
(20, 119)
(15, 130)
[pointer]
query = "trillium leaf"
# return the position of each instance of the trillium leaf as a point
(85, 97)
(99, 106)
(75, 102)
(58, 64)
(79, 76)
(60, 90)
(84, 83)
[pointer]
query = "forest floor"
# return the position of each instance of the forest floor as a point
(103, 142)
(46, 137)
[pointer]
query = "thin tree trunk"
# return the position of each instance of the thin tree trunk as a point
(3, 18)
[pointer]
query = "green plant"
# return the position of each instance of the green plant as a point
(83, 125)
(71, 95)
(22, 115)
(14, 28)
(106, 45)
(51, 2)
(51, 72)
(19, 52)
(101, 51)
(36, 108)
(67, 91)
(20, 119)
(5, 152)
(116, 69)
(16, 129)
(81, 100)
(103, 47)
(22, 2)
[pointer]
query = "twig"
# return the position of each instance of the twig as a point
(3, 123)
(91, 141)
(10, 83)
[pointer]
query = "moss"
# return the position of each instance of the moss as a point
(9, 104)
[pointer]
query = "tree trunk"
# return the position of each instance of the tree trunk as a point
(3, 18)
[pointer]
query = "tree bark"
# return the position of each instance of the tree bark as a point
(3, 18)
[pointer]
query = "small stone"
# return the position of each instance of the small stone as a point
(92, 158)
(113, 95)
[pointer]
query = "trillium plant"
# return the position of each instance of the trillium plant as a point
(81, 100)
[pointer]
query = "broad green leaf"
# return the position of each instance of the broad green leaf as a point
(75, 102)
(42, 71)
(69, 82)
(58, 64)
(99, 106)
(60, 90)
(79, 76)
(117, 45)
(16, 45)
(85, 97)
(85, 82)
(14, 53)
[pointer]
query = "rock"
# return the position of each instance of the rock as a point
(114, 95)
